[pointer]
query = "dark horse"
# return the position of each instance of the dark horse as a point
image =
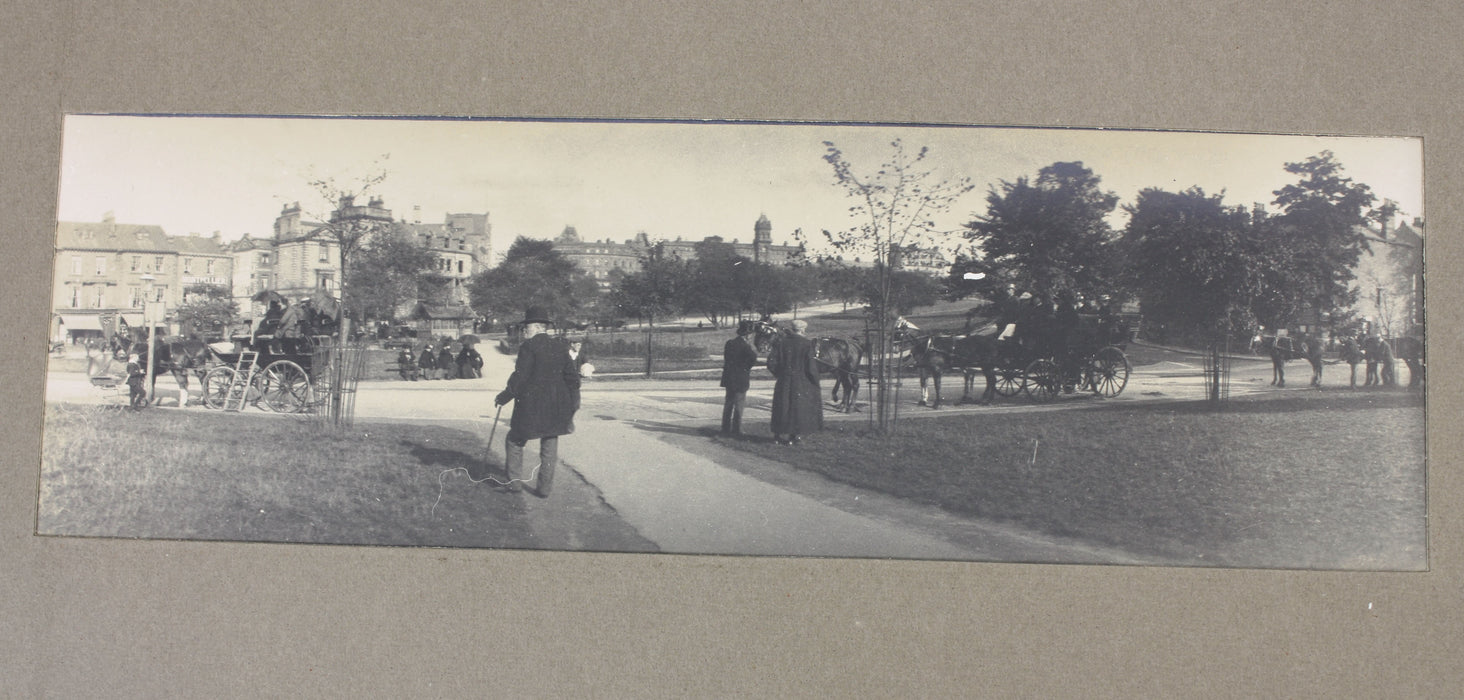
(174, 354)
(1409, 349)
(934, 354)
(1285, 348)
(835, 356)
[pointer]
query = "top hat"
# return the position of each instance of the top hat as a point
(536, 314)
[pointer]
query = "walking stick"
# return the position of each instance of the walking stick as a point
(494, 429)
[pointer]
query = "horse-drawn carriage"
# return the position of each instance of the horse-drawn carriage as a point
(1048, 357)
(275, 369)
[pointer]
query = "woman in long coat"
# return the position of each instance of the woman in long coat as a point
(797, 401)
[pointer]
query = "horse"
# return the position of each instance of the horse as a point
(835, 356)
(1285, 348)
(1410, 350)
(1352, 354)
(177, 355)
(934, 353)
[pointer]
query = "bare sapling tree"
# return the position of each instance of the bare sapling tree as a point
(895, 211)
(349, 224)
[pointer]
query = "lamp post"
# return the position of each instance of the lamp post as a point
(147, 318)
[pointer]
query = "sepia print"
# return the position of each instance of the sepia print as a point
(802, 339)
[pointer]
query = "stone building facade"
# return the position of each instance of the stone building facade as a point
(99, 272)
(601, 258)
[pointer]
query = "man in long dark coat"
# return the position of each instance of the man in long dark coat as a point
(738, 357)
(546, 386)
(797, 401)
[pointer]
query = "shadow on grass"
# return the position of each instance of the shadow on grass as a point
(450, 458)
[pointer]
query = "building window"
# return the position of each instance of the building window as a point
(460, 267)
(76, 297)
(209, 266)
(101, 265)
(324, 252)
(187, 266)
(97, 300)
(444, 241)
(76, 264)
(158, 264)
(136, 263)
(462, 244)
(134, 297)
(158, 292)
(263, 259)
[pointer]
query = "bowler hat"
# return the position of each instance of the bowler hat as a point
(536, 314)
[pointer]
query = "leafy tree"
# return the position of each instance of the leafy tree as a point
(532, 273)
(841, 282)
(207, 310)
(655, 290)
(1320, 230)
(389, 271)
(1193, 262)
(1052, 233)
(713, 281)
(895, 208)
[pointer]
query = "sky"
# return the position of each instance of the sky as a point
(614, 179)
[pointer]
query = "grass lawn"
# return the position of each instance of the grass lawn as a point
(1311, 480)
(112, 472)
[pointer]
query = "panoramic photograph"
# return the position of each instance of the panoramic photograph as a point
(892, 341)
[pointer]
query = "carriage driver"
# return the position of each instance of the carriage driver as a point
(1008, 307)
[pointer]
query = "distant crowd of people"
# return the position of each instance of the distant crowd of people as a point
(440, 363)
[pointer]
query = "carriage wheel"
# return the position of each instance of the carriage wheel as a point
(1043, 381)
(216, 387)
(286, 387)
(1108, 372)
(1010, 381)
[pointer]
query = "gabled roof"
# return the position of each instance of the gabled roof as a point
(75, 235)
(199, 245)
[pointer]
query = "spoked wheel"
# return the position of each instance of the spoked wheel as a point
(1043, 381)
(1108, 372)
(1010, 381)
(217, 385)
(285, 387)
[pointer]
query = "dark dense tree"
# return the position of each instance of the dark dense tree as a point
(655, 290)
(532, 273)
(1192, 263)
(1320, 233)
(390, 271)
(1051, 233)
(207, 310)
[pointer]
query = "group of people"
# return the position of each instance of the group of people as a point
(797, 399)
(441, 364)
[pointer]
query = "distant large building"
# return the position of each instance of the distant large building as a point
(304, 256)
(600, 258)
(99, 272)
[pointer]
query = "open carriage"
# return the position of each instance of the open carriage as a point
(1058, 357)
(278, 365)
(267, 372)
